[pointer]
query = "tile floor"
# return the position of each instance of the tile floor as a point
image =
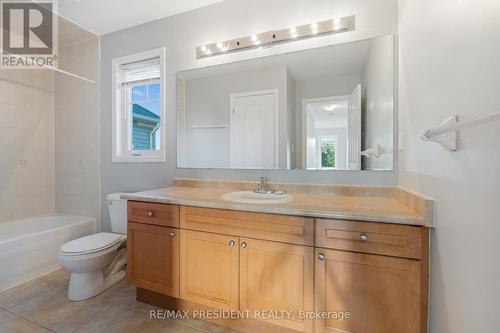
(41, 306)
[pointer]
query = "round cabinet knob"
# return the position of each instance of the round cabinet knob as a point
(363, 237)
(321, 257)
(151, 213)
(243, 245)
(172, 234)
(232, 243)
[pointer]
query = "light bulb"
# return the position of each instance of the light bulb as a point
(204, 48)
(336, 24)
(220, 45)
(254, 38)
(293, 32)
(314, 28)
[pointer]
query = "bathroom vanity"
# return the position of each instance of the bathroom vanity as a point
(336, 258)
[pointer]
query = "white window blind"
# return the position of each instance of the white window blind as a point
(145, 70)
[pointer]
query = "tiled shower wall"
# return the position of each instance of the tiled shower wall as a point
(49, 133)
(26, 143)
(77, 123)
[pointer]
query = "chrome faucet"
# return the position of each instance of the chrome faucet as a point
(262, 187)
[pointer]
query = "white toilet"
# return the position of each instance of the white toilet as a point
(96, 262)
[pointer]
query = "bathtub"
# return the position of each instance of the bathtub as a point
(29, 247)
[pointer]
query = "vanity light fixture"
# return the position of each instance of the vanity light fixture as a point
(337, 25)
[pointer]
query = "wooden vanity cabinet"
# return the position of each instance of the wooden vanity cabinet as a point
(381, 294)
(209, 269)
(228, 260)
(153, 247)
(277, 277)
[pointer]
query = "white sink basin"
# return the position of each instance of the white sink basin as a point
(257, 198)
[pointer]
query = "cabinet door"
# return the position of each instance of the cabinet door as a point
(277, 277)
(153, 258)
(209, 269)
(382, 294)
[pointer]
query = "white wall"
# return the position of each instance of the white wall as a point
(180, 35)
(377, 103)
(450, 64)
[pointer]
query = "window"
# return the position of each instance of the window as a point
(327, 149)
(138, 107)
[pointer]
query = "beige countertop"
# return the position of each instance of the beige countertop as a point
(391, 205)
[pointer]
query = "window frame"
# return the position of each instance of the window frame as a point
(121, 132)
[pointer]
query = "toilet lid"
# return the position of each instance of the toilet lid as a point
(92, 243)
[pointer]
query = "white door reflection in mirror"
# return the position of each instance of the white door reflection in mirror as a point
(254, 129)
(325, 130)
(354, 130)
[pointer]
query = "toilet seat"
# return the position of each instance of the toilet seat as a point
(91, 244)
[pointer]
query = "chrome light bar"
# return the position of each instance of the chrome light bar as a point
(337, 25)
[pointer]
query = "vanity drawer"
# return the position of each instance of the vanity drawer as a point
(153, 213)
(370, 237)
(280, 228)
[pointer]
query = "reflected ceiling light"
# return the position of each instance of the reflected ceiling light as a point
(337, 25)
(330, 107)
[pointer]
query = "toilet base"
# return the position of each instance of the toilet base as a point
(83, 286)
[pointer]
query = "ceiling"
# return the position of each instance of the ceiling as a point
(337, 118)
(105, 16)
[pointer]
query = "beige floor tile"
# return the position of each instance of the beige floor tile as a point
(163, 326)
(205, 326)
(117, 319)
(125, 294)
(51, 309)
(14, 296)
(43, 302)
(12, 323)
(59, 277)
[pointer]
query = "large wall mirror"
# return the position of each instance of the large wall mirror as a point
(328, 108)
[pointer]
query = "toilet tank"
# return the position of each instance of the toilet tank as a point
(117, 213)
